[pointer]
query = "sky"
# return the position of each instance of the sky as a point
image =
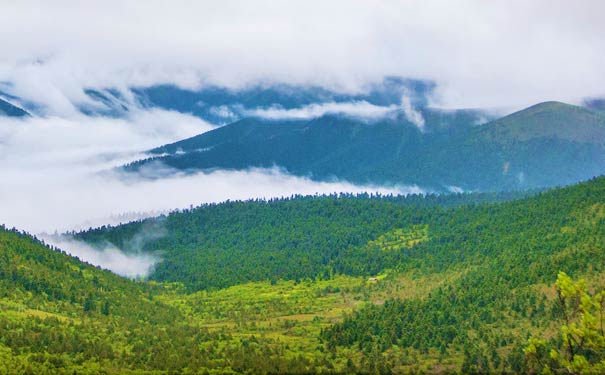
(480, 53)
(57, 168)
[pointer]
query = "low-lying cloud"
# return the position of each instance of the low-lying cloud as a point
(80, 199)
(58, 175)
(132, 261)
(131, 265)
(359, 109)
(411, 113)
(356, 109)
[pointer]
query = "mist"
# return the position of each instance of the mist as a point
(109, 257)
(355, 109)
(59, 174)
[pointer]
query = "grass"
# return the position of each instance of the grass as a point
(402, 238)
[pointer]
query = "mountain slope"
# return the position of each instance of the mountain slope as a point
(223, 105)
(325, 148)
(446, 287)
(216, 246)
(59, 315)
(441, 287)
(8, 109)
(546, 145)
(523, 245)
(549, 120)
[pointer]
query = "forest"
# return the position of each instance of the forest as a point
(469, 283)
(546, 145)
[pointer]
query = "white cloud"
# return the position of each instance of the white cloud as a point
(482, 54)
(411, 113)
(108, 257)
(358, 109)
(56, 172)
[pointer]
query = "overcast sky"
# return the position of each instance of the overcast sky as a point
(481, 53)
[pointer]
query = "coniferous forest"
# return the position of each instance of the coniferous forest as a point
(333, 284)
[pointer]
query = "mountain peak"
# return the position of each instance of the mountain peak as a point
(550, 119)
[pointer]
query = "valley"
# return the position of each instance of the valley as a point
(464, 288)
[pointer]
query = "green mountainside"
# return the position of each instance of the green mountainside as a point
(216, 246)
(59, 315)
(549, 120)
(549, 144)
(345, 284)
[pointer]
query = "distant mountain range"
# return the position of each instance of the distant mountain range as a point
(8, 109)
(220, 105)
(545, 145)
(387, 135)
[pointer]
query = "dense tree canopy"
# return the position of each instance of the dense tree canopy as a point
(320, 284)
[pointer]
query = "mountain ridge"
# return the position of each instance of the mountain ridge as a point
(545, 145)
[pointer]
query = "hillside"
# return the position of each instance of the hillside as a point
(222, 105)
(345, 284)
(424, 286)
(550, 120)
(216, 246)
(549, 144)
(59, 315)
(329, 147)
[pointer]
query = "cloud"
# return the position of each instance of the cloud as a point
(108, 256)
(92, 200)
(57, 172)
(50, 166)
(481, 54)
(58, 175)
(358, 109)
(411, 113)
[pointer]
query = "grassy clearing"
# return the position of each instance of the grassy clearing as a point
(402, 238)
(291, 314)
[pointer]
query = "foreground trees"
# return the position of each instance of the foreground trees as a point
(580, 346)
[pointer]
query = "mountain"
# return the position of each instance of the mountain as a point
(327, 147)
(107, 102)
(8, 109)
(597, 104)
(222, 105)
(546, 145)
(60, 315)
(344, 284)
(549, 120)
(217, 246)
(424, 286)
